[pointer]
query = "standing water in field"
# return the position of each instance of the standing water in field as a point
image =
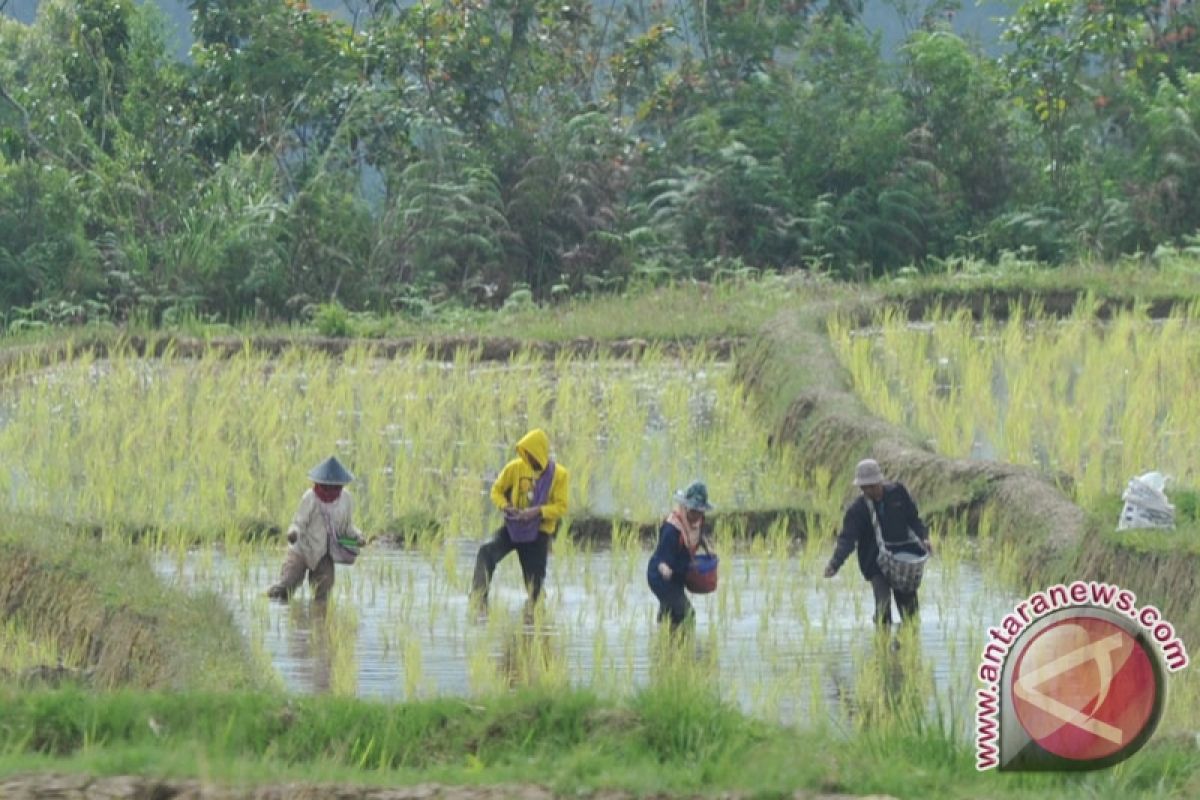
(783, 642)
(219, 445)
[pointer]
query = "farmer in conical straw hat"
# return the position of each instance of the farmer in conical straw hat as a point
(897, 515)
(531, 492)
(324, 517)
(678, 539)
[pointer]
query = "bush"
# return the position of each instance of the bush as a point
(332, 319)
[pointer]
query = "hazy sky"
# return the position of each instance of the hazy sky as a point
(973, 21)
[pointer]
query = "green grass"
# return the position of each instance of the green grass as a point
(1171, 278)
(691, 311)
(685, 311)
(1183, 538)
(21, 650)
(666, 739)
(100, 600)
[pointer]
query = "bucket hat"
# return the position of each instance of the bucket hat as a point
(867, 473)
(331, 472)
(694, 497)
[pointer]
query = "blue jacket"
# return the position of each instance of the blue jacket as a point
(672, 552)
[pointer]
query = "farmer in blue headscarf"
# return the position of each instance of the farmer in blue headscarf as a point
(678, 539)
(531, 491)
(324, 518)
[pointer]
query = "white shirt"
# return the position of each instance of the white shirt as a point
(311, 529)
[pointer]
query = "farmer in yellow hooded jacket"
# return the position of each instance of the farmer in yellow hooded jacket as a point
(531, 492)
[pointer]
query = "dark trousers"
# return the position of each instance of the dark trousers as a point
(673, 604)
(905, 601)
(533, 556)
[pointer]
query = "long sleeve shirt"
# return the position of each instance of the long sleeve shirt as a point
(311, 529)
(514, 486)
(897, 514)
(670, 551)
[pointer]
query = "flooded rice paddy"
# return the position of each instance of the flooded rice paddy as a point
(777, 638)
(194, 450)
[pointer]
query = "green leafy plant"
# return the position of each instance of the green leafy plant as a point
(332, 319)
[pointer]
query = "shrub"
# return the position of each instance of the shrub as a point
(332, 319)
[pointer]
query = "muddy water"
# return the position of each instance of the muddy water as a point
(781, 641)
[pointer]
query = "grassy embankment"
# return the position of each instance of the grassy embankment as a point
(672, 738)
(680, 313)
(689, 312)
(100, 608)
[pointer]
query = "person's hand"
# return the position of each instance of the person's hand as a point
(665, 571)
(928, 545)
(830, 571)
(291, 537)
(361, 539)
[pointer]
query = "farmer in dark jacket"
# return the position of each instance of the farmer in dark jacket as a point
(897, 514)
(678, 539)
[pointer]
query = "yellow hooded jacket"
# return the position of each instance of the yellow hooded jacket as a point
(514, 484)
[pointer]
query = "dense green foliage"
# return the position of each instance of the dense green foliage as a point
(490, 152)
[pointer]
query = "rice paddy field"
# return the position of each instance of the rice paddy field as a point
(1098, 401)
(194, 451)
(205, 448)
(194, 458)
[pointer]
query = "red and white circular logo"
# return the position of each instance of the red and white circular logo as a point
(1085, 688)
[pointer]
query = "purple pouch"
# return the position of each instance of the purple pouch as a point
(523, 532)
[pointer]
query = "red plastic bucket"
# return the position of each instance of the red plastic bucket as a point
(701, 577)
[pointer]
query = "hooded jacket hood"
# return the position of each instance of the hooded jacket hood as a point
(537, 444)
(514, 486)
